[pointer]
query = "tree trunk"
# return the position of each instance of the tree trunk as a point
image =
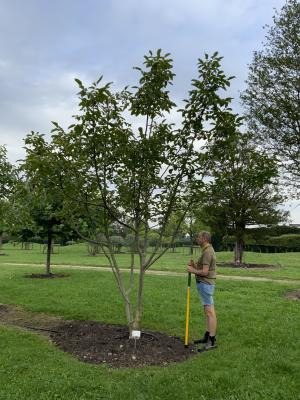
(128, 312)
(238, 252)
(1, 240)
(125, 293)
(136, 325)
(92, 249)
(49, 250)
(139, 307)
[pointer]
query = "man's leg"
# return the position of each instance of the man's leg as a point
(211, 327)
(206, 318)
(206, 293)
(211, 319)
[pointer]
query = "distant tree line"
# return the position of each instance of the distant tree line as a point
(275, 239)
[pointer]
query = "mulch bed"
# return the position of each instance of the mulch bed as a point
(46, 276)
(293, 295)
(246, 265)
(97, 343)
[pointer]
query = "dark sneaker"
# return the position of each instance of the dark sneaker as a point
(203, 340)
(210, 345)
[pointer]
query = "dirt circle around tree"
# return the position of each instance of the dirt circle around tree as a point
(97, 343)
(293, 294)
(100, 343)
(248, 265)
(46, 276)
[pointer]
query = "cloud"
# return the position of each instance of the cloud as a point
(46, 44)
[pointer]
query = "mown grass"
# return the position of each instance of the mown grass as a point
(289, 263)
(258, 336)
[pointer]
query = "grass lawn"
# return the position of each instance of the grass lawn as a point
(78, 255)
(258, 337)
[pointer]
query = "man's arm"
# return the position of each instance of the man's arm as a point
(193, 270)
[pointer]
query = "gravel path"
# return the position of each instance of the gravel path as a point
(167, 273)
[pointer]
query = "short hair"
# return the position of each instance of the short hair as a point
(206, 236)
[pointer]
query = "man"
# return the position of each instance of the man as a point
(205, 273)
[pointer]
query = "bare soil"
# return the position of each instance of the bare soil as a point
(46, 276)
(293, 295)
(18, 317)
(99, 343)
(247, 265)
(94, 342)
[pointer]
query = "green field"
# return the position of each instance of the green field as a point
(258, 336)
(78, 255)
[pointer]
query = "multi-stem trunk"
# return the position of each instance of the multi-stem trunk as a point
(139, 306)
(120, 282)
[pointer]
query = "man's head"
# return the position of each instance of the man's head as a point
(203, 238)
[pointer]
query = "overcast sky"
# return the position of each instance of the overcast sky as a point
(45, 44)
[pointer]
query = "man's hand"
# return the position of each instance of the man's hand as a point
(191, 267)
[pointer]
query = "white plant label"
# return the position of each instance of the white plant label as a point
(135, 334)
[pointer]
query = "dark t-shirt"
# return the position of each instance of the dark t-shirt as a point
(208, 257)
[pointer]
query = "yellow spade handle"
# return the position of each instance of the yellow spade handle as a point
(187, 318)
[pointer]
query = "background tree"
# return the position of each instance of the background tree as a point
(8, 179)
(138, 178)
(44, 204)
(20, 221)
(194, 221)
(244, 190)
(272, 97)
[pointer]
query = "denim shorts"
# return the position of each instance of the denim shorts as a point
(206, 292)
